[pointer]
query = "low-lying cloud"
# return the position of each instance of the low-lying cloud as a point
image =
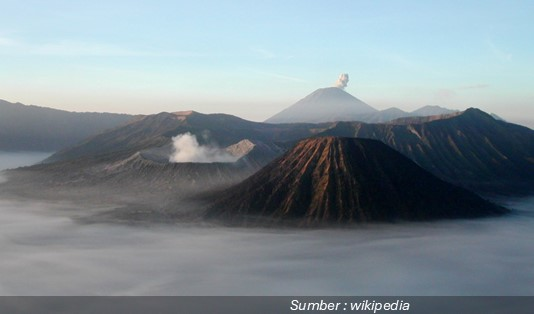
(187, 149)
(44, 252)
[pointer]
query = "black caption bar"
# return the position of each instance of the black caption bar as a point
(278, 305)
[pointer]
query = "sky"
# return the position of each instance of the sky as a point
(255, 58)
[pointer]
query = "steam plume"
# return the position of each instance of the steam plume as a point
(187, 149)
(342, 80)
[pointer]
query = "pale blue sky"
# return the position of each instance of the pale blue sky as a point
(252, 58)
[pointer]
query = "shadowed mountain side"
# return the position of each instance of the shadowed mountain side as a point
(131, 175)
(157, 130)
(332, 179)
(180, 178)
(141, 189)
(34, 128)
(145, 180)
(470, 149)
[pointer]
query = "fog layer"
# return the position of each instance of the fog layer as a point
(46, 250)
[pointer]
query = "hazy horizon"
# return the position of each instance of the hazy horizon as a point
(521, 121)
(253, 60)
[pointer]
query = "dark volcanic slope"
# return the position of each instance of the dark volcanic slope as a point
(134, 178)
(44, 129)
(471, 149)
(333, 179)
(157, 130)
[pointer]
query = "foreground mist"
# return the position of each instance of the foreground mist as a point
(49, 249)
(45, 251)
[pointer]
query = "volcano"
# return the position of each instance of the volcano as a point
(324, 105)
(335, 180)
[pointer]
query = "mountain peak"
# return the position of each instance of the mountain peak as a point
(332, 179)
(35, 128)
(432, 110)
(323, 105)
(475, 113)
(331, 89)
(184, 113)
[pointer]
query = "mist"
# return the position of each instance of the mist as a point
(50, 248)
(187, 149)
(47, 252)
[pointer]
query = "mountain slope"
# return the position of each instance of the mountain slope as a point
(470, 149)
(157, 131)
(334, 104)
(332, 179)
(431, 111)
(323, 105)
(395, 114)
(44, 129)
(382, 116)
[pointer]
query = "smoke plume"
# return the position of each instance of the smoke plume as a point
(342, 80)
(187, 149)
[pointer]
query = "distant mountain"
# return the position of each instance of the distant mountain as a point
(35, 128)
(392, 114)
(431, 111)
(468, 148)
(330, 179)
(423, 119)
(334, 104)
(323, 105)
(382, 116)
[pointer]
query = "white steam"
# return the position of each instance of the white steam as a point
(187, 149)
(342, 80)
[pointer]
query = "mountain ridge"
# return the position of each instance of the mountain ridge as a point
(334, 104)
(470, 148)
(35, 128)
(323, 105)
(332, 179)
